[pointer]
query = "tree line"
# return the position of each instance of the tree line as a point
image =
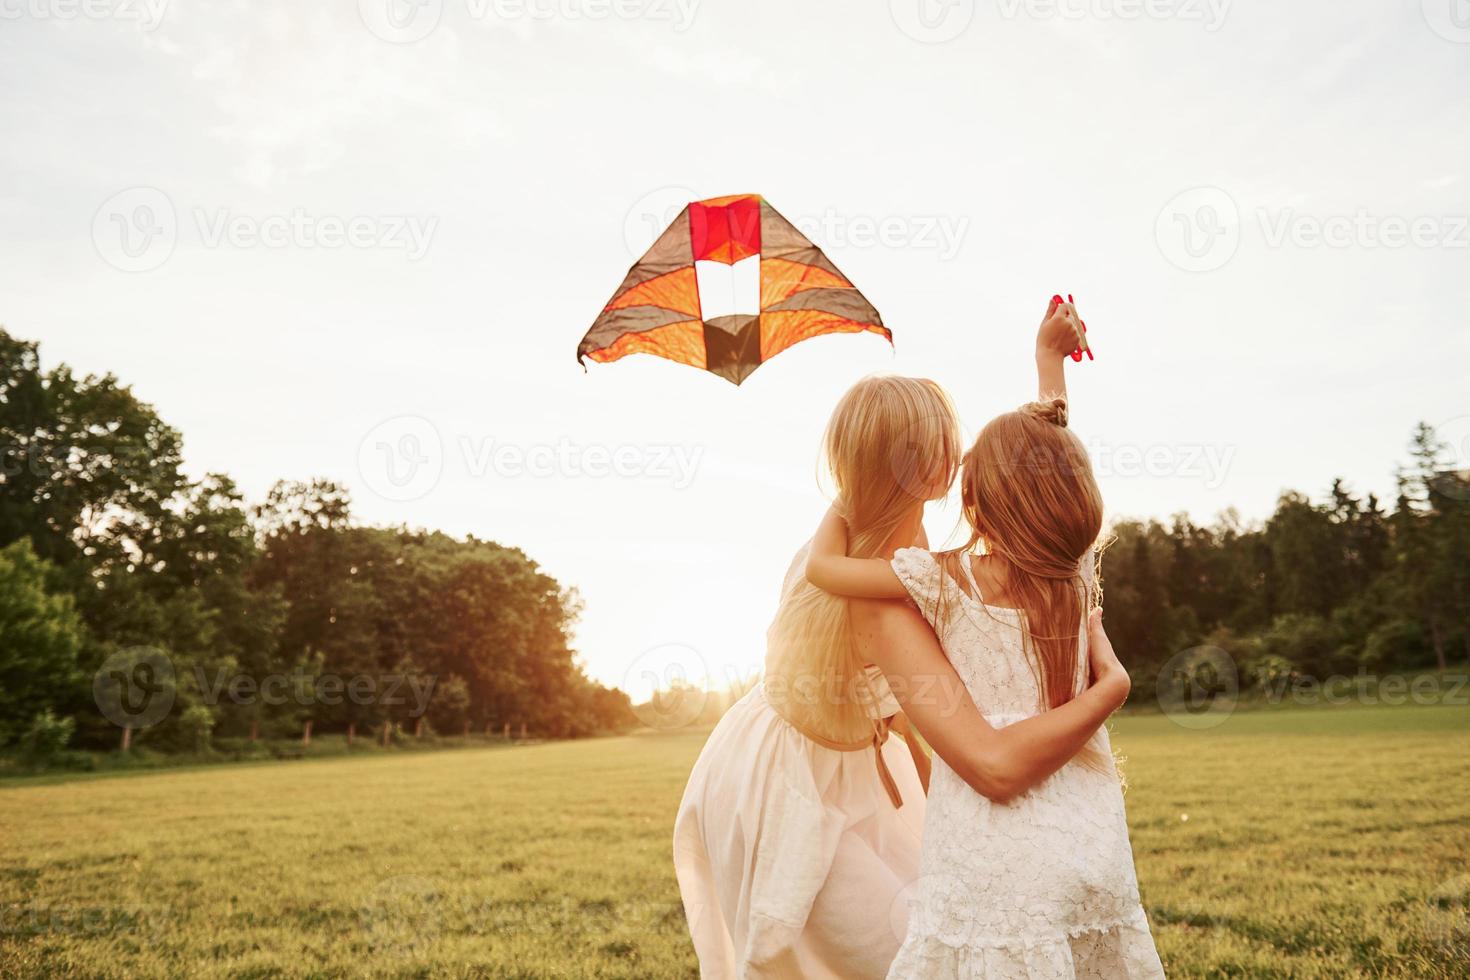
(1337, 587)
(251, 621)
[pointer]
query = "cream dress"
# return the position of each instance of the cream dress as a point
(1043, 886)
(792, 858)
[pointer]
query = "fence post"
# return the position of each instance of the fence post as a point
(351, 732)
(127, 737)
(306, 733)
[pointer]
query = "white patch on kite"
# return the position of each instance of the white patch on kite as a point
(729, 289)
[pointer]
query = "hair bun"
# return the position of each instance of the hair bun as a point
(1053, 410)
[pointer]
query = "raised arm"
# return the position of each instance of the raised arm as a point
(1057, 337)
(829, 568)
(998, 763)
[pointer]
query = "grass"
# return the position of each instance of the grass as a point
(1310, 843)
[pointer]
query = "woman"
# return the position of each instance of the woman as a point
(800, 827)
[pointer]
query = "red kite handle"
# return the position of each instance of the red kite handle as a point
(1083, 346)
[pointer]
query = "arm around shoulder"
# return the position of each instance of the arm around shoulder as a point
(829, 568)
(997, 763)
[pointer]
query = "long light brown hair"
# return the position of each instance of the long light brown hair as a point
(1033, 506)
(892, 443)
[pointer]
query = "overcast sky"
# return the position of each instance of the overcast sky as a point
(362, 241)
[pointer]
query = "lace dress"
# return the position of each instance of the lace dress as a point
(1042, 886)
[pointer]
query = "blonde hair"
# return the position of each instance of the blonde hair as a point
(1028, 493)
(892, 443)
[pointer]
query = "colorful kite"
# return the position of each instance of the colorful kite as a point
(726, 288)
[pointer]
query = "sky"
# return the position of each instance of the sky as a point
(361, 240)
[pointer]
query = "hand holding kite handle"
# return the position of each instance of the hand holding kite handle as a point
(1078, 326)
(1062, 332)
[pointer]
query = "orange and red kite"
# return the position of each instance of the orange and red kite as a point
(727, 287)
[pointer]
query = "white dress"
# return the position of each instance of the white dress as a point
(1042, 886)
(791, 857)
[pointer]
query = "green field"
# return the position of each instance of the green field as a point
(1303, 843)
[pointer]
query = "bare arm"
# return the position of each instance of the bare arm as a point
(1057, 337)
(829, 568)
(998, 763)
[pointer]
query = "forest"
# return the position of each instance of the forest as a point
(1346, 586)
(247, 622)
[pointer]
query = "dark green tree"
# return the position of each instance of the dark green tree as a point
(40, 638)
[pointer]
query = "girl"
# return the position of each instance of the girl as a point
(1042, 885)
(801, 822)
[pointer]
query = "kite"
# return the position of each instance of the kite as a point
(728, 286)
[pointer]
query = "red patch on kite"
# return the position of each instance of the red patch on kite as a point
(726, 232)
